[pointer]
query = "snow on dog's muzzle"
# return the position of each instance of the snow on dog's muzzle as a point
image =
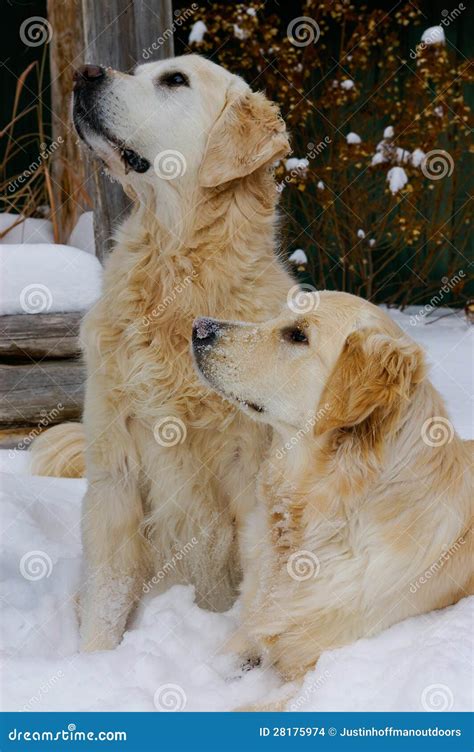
(205, 334)
(212, 363)
(205, 331)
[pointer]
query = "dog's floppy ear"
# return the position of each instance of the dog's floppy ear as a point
(374, 374)
(248, 134)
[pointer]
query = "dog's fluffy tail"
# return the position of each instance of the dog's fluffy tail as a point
(59, 452)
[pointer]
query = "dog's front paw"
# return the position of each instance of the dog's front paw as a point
(97, 636)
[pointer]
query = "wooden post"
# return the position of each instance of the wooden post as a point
(116, 34)
(68, 169)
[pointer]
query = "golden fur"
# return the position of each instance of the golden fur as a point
(200, 244)
(364, 514)
(59, 452)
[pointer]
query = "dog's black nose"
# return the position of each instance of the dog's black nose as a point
(205, 331)
(88, 74)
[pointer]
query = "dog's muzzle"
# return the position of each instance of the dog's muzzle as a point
(89, 81)
(205, 331)
(87, 75)
(205, 334)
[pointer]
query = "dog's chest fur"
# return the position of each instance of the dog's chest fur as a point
(137, 345)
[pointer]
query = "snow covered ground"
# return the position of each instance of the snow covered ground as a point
(170, 658)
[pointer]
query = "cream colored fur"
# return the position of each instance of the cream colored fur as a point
(203, 243)
(365, 506)
(60, 452)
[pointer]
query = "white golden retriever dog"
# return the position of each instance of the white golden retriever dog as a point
(365, 503)
(171, 467)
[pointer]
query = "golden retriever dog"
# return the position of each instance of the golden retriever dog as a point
(365, 504)
(171, 467)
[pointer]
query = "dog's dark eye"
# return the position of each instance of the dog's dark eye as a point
(174, 79)
(296, 336)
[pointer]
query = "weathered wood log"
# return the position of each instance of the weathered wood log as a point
(11, 438)
(41, 335)
(116, 34)
(50, 391)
